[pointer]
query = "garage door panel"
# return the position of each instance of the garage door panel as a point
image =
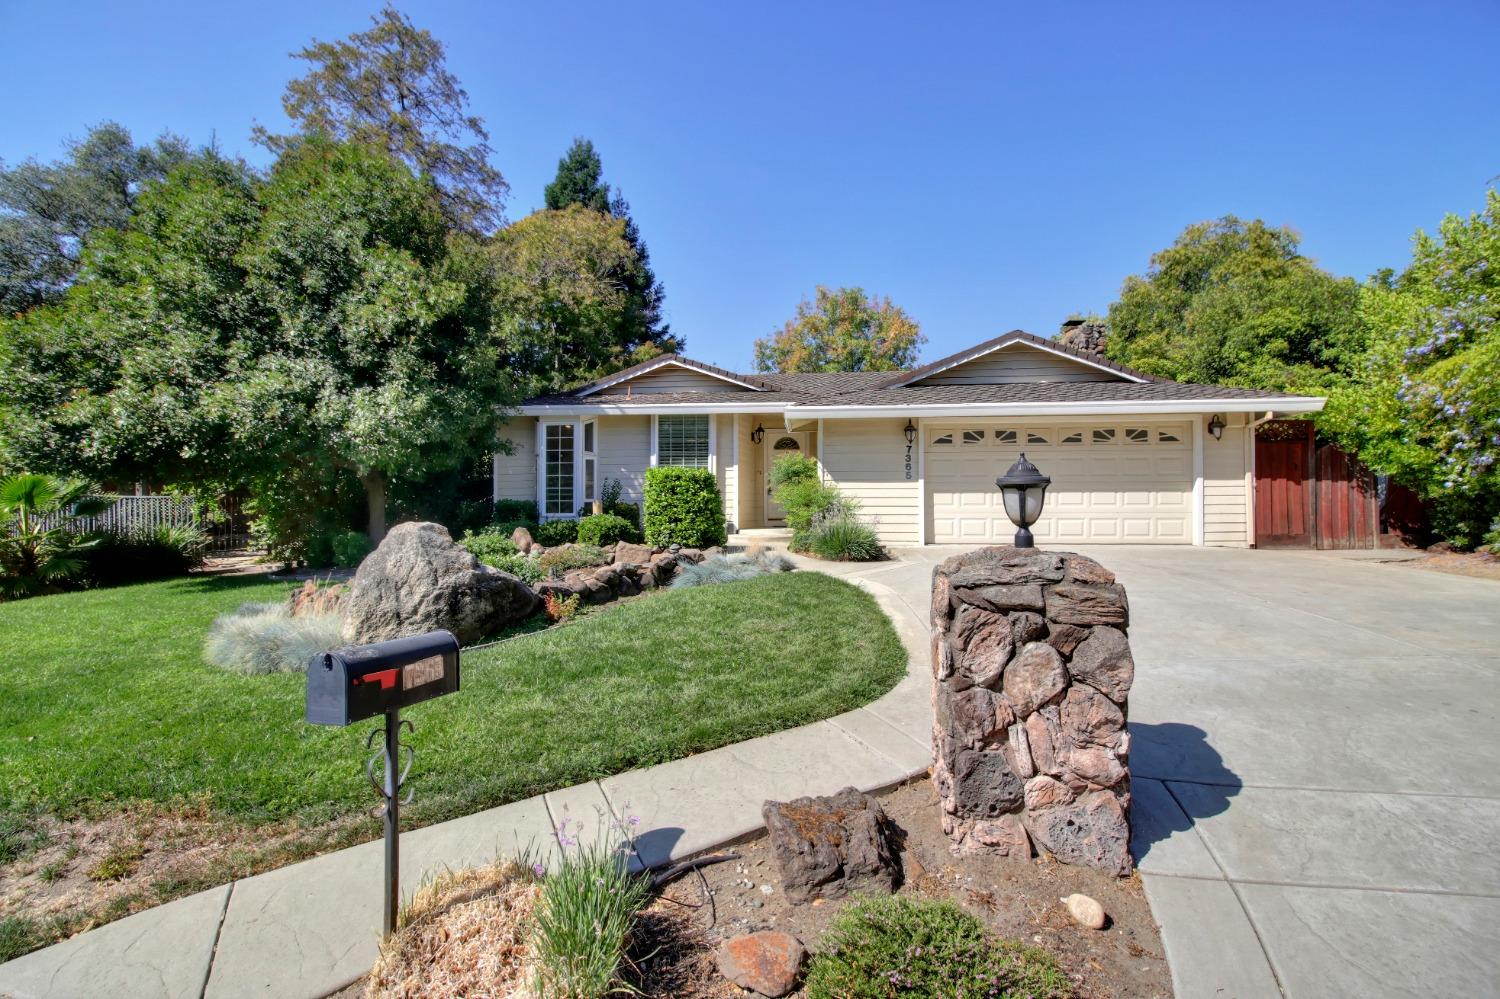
(1112, 482)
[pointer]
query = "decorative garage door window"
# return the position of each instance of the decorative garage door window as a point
(682, 440)
(942, 440)
(1137, 435)
(973, 436)
(1032, 437)
(1005, 437)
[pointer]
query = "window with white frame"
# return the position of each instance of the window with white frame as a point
(557, 489)
(682, 440)
(589, 463)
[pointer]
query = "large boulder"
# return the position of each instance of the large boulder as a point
(419, 580)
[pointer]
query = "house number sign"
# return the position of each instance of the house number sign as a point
(908, 462)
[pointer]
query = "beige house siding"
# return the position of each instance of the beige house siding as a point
(1226, 500)
(1018, 363)
(727, 469)
(515, 473)
(671, 378)
(866, 458)
(624, 453)
(751, 484)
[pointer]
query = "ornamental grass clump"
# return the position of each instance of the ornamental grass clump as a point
(731, 569)
(265, 638)
(895, 946)
(843, 539)
(585, 916)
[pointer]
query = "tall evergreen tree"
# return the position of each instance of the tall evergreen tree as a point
(641, 334)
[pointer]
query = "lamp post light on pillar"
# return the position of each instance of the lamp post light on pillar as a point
(1024, 490)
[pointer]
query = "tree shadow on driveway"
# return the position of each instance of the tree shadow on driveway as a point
(1173, 751)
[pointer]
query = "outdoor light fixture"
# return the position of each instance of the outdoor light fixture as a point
(910, 431)
(758, 434)
(1024, 490)
(1216, 426)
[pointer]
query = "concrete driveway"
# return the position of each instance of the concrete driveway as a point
(1316, 753)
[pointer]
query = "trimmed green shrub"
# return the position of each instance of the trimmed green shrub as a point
(349, 548)
(842, 539)
(265, 638)
(557, 561)
(683, 507)
(493, 547)
(796, 484)
(731, 569)
(520, 511)
(117, 557)
(606, 529)
(896, 946)
(555, 532)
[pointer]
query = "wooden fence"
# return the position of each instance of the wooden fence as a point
(227, 527)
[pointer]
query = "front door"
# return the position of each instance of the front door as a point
(776, 444)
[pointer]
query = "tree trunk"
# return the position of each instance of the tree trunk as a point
(374, 483)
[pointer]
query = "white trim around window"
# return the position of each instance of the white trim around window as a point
(713, 441)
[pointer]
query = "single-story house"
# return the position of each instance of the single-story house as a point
(1133, 459)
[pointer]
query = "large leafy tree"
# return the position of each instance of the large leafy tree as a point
(374, 355)
(390, 87)
(842, 329)
(1424, 405)
(48, 211)
(640, 332)
(321, 327)
(559, 294)
(110, 381)
(1232, 302)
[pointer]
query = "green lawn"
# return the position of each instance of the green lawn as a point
(105, 699)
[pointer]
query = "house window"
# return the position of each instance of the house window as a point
(1005, 436)
(1104, 435)
(973, 436)
(1032, 437)
(1138, 435)
(558, 487)
(942, 440)
(682, 440)
(590, 464)
(1074, 438)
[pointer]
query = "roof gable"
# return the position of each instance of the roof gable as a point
(671, 374)
(1017, 356)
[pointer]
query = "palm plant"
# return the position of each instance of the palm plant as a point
(39, 547)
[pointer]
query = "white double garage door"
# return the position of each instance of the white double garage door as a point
(1113, 481)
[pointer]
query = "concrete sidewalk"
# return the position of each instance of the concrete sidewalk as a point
(311, 928)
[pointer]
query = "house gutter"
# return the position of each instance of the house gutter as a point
(1139, 407)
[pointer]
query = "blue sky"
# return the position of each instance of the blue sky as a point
(987, 166)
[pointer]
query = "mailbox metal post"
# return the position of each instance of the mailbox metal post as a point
(362, 681)
(392, 794)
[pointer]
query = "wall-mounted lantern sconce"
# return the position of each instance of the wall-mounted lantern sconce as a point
(758, 434)
(911, 432)
(1024, 490)
(1216, 426)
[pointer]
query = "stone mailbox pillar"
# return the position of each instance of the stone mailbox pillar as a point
(1031, 672)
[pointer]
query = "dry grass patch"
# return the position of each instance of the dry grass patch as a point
(467, 933)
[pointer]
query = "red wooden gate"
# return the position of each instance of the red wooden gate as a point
(1312, 495)
(1283, 484)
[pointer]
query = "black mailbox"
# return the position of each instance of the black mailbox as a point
(351, 684)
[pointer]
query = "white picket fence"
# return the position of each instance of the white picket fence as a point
(144, 513)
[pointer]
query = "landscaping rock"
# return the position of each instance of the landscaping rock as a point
(826, 847)
(1045, 762)
(419, 580)
(768, 962)
(1086, 912)
(523, 540)
(629, 554)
